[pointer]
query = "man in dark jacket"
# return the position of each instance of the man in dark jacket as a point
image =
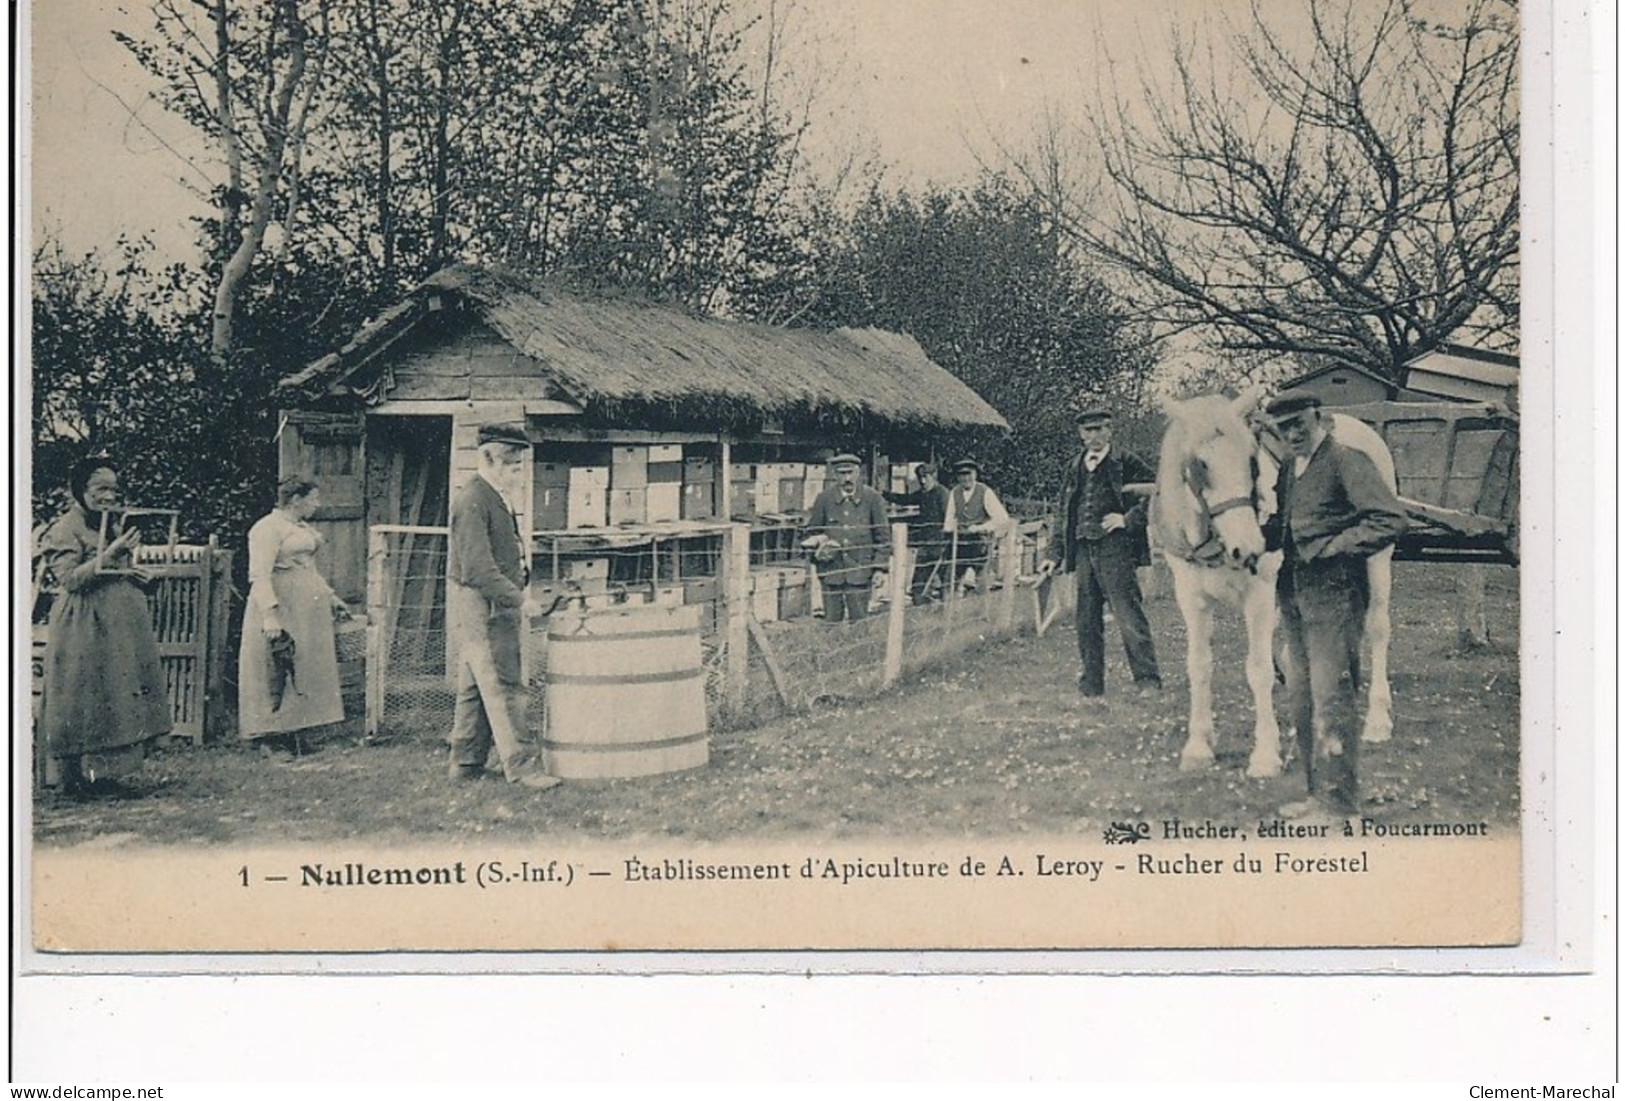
(486, 608)
(850, 537)
(925, 529)
(1100, 533)
(1334, 510)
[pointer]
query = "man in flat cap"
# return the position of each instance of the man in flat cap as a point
(1100, 534)
(924, 528)
(974, 513)
(1334, 510)
(850, 537)
(486, 609)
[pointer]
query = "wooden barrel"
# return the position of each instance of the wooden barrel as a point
(625, 693)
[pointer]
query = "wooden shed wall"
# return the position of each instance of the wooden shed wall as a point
(328, 448)
(1344, 388)
(458, 357)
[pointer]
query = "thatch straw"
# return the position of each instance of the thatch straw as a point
(618, 355)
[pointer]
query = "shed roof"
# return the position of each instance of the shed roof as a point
(1460, 361)
(610, 352)
(1310, 376)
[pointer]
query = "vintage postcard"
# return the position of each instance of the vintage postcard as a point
(746, 477)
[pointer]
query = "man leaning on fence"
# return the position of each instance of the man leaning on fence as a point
(850, 537)
(486, 608)
(1101, 533)
(925, 534)
(975, 517)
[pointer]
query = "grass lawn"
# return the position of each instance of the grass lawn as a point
(990, 743)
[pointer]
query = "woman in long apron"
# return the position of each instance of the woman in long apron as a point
(103, 697)
(287, 667)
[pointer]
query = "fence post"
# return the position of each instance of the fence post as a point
(1009, 570)
(377, 552)
(219, 620)
(897, 587)
(736, 604)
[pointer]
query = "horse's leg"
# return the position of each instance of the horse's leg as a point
(1379, 711)
(1258, 608)
(1196, 607)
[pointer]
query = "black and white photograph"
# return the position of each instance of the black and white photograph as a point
(775, 475)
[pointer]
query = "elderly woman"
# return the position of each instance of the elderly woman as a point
(287, 672)
(103, 696)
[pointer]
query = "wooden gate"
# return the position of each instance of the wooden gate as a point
(189, 605)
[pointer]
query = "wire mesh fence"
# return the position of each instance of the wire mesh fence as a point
(765, 646)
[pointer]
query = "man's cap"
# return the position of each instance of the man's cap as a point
(845, 458)
(1093, 414)
(967, 464)
(1290, 404)
(511, 433)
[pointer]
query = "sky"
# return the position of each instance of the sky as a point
(923, 87)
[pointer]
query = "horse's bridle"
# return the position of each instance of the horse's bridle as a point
(1211, 551)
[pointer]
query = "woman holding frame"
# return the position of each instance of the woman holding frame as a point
(104, 697)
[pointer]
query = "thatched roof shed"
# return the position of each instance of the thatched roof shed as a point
(621, 360)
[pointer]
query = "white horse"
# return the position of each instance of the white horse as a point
(1215, 487)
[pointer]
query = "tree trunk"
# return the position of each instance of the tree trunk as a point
(241, 261)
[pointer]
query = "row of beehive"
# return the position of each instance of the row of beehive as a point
(776, 592)
(780, 592)
(643, 484)
(775, 488)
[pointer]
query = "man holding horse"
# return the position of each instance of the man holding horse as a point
(1100, 534)
(1334, 511)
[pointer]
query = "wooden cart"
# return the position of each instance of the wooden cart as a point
(1457, 465)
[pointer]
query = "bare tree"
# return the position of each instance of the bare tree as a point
(1340, 191)
(247, 76)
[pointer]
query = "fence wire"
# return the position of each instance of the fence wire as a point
(793, 658)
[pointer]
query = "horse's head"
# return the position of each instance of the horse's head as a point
(1208, 484)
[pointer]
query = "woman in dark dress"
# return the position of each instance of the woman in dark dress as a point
(104, 697)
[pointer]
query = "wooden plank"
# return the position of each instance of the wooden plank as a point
(428, 387)
(770, 658)
(1498, 495)
(1009, 543)
(377, 640)
(512, 363)
(1452, 520)
(406, 529)
(897, 588)
(509, 388)
(438, 363)
(723, 486)
(452, 407)
(490, 411)
(735, 589)
(215, 709)
(573, 434)
(201, 639)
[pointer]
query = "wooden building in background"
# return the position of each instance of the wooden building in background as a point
(649, 422)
